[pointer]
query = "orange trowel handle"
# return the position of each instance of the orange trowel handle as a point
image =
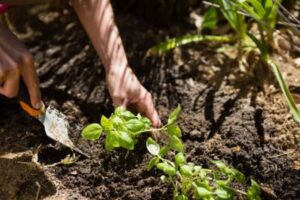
(25, 102)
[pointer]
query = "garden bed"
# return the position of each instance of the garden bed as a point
(225, 116)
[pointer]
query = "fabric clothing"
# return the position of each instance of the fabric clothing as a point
(3, 8)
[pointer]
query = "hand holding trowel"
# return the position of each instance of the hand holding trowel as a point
(55, 123)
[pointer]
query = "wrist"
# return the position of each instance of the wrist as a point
(116, 69)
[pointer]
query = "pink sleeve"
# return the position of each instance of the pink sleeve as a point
(3, 8)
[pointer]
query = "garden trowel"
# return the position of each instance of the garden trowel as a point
(55, 123)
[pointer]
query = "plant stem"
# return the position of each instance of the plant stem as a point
(153, 129)
(166, 160)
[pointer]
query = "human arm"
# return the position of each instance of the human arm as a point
(125, 89)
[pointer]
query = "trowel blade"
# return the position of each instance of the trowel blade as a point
(57, 127)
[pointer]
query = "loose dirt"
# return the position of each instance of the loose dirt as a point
(225, 116)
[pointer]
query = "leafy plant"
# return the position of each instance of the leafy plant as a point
(186, 39)
(188, 179)
(122, 129)
(193, 181)
(264, 12)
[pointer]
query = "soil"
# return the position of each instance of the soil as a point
(237, 117)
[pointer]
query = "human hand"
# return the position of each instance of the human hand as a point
(126, 90)
(16, 61)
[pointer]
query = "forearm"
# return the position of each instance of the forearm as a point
(97, 18)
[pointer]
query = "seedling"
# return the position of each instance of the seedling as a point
(123, 128)
(189, 181)
(68, 160)
(264, 13)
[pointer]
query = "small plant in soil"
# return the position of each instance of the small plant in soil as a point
(189, 181)
(241, 14)
(122, 129)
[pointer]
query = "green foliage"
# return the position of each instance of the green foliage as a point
(254, 191)
(152, 147)
(237, 21)
(193, 181)
(174, 115)
(92, 132)
(285, 90)
(189, 181)
(186, 39)
(210, 18)
(122, 129)
(264, 12)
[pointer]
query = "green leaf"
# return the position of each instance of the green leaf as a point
(174, 115)
(237, 22)
(152, 146)
(259, 10)
(260, 45)
(164, 151)
(181, 197)
(180, 158)
(163, 178)
(147, 122)
(119, 110)
(201, 173)
(175, 143)
(230, 171)
(154, 161)
(210, 18)
(253, 192)
(202, 193)
(105, 123)
(116, 121)
(186, 170)
(92, 132)
(135, 125)
(166, 168)
(186, 39)
(222, 193)
(112, 140)
(285, 90)
(239, 176)
(203, 183)
(127, 115)
(222, 167)
(221, 183)
(126, 141)
(174, 130)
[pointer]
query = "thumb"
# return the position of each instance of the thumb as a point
(146, 106)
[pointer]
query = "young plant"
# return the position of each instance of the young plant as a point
(122, 129)
(191, 181)
(264, 12)
(188, 180)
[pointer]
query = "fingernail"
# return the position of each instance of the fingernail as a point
(39, 105)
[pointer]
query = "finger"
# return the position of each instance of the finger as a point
(119, 102)
(31, 81)
(2, 80)
(146, 106)
(10, 87)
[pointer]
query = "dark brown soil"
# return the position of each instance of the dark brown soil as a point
(225, 116)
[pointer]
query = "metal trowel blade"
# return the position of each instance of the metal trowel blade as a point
(57, 128)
